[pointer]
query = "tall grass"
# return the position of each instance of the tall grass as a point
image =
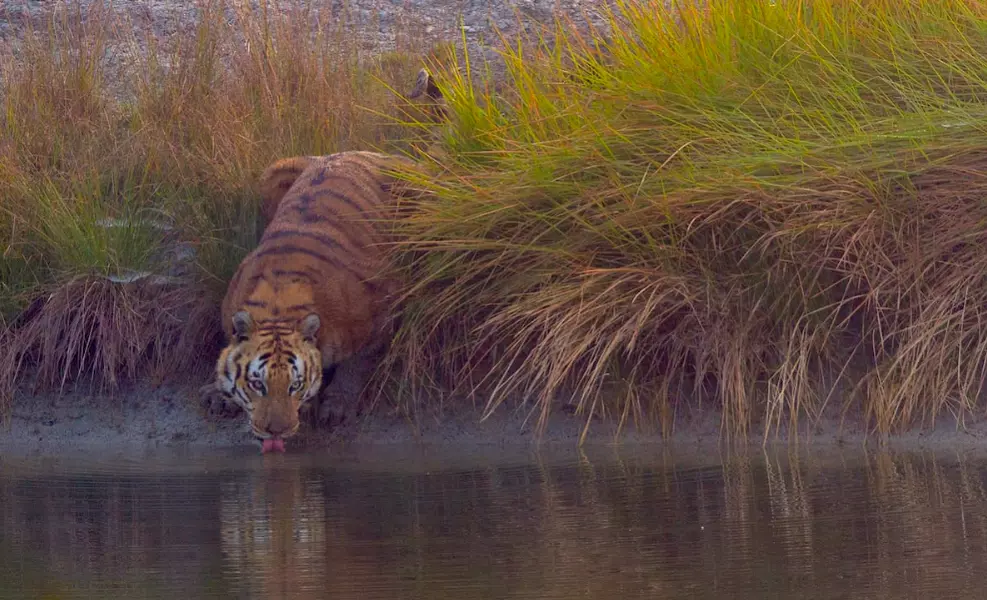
(122, 151)
(728, 201)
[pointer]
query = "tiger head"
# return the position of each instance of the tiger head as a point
(271, 370)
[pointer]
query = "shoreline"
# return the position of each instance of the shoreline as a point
(149, 419)
(146, 421)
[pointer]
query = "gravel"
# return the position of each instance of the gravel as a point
(376, 25)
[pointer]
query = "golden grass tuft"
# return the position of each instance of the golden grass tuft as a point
(102, 331)
(728, 202)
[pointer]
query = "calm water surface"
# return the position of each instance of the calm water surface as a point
(295, 526)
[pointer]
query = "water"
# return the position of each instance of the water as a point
(762, 526)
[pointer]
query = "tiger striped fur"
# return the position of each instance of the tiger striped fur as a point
(311, 296)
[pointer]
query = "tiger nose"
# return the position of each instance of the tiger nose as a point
(278, 426)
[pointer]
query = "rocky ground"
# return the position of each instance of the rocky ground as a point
(377, 25)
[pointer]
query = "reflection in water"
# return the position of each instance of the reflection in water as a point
(765, 526)
(274, 540)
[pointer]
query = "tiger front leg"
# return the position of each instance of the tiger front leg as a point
(341, 397)
(339, 400)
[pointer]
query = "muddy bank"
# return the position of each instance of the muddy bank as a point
(144, 420)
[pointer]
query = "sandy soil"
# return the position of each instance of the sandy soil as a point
(145, 420)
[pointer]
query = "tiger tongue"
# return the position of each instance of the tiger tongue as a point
(271, 445)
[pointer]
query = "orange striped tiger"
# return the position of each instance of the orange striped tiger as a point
(311, 297)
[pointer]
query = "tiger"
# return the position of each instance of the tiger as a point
(314, 295)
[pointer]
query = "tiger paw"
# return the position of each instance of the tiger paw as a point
(333, 414)
(216, 403)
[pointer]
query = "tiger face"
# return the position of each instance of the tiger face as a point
(271, 371)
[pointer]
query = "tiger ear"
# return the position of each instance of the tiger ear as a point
(243, 325)
(310, 327)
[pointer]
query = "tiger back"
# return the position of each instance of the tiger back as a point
(314, 291)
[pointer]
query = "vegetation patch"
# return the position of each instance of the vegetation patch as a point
(726, 201)
(103, 331)
(721, 201)
(128, 167)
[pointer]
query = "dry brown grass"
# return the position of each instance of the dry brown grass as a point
(104, 332)
(100, 120)
(729, 204)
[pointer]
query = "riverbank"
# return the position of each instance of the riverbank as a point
(730, 199)
(147, 420)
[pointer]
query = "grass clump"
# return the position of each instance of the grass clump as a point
(128, 163)
(724, 201)
(730, 202)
